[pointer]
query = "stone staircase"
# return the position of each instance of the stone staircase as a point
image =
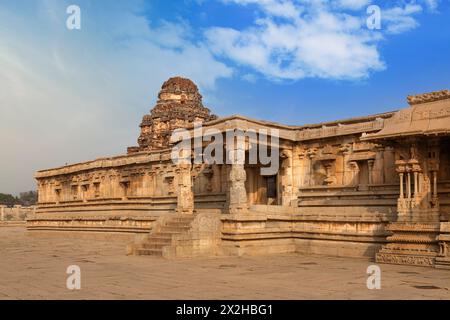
(155, 242)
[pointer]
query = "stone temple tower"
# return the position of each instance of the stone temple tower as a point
(179, 105)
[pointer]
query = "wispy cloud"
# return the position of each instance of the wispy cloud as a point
(290, 39)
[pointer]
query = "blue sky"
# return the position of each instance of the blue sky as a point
(72, 95)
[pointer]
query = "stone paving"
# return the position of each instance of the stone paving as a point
(33, 267)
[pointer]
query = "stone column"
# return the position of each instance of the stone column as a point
(435, 189)
(2, 213)
(402, 192)
(370, 164)
(402, 207)
(237, 194)
(185, 195)
(287, 192)
(416, 184)
(408, 185)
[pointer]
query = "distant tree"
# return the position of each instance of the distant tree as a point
(25, 199)
(29, 198)
(8, 200)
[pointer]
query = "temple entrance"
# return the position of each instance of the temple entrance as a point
(261, 189)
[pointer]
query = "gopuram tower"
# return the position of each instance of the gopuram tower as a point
(179, 105)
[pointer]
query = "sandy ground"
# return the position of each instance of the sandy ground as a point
(35, 268)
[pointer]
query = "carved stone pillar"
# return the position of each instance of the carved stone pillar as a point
(310, 155)
(414, 234)
(185, 195)
(287, 192)
(433, 164)
(237, 194)
(401, 203)
(371, 164)
(402, 192)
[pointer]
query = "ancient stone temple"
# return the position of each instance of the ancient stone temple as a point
(375, 186)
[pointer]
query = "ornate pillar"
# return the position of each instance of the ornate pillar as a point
(310, 154)
(402, 192)
(416, 184)
(237, 194)
(408, 184)
(433, 164)
(435, 189)
(185, 195)
(401, 203)
(287, 192)
(370, 164)
(416, 169)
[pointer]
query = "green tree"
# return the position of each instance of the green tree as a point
(8, 200)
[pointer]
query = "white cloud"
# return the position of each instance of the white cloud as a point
(432, 4)
(313, 42)
(295, 39)
(353, 4)
(71, 96)
(400, 19)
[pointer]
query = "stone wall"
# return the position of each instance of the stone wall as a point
(16, 213)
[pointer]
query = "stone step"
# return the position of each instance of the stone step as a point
(149, 252)
(154, 243)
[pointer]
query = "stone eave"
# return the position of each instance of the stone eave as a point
(377, 137)
(304, 132)
(384, 115)
(426, 119)
(105, 163)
